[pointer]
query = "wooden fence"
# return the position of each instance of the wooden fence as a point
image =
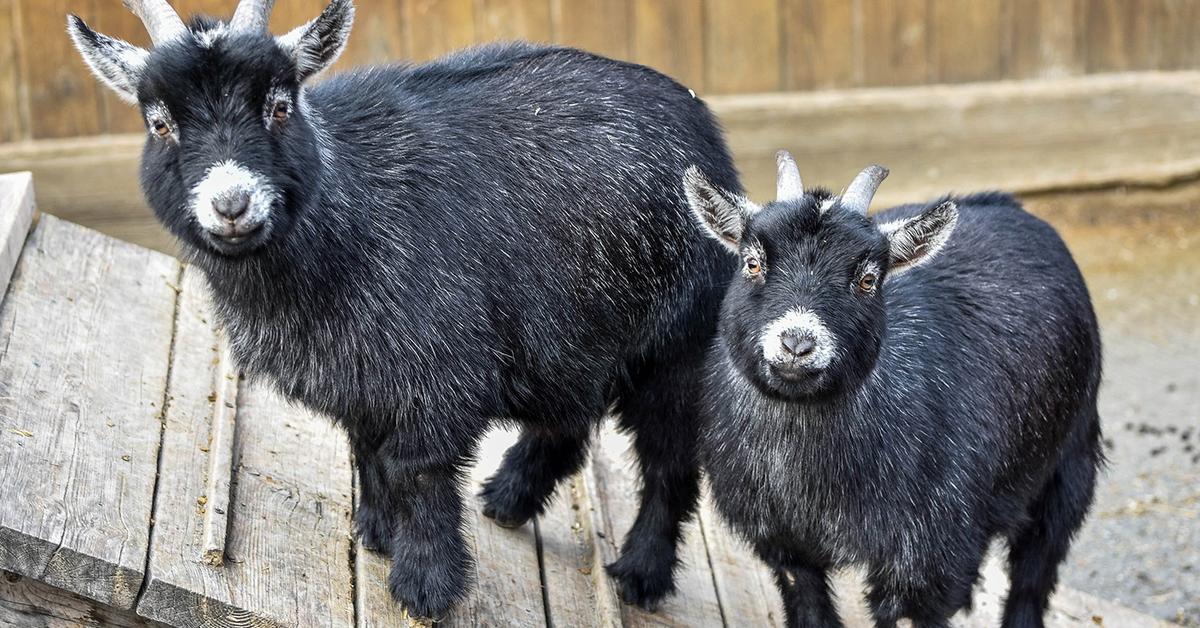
(714, 46)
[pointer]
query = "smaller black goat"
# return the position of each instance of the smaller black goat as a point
(867, 406)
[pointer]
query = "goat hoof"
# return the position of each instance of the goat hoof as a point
(641, 586)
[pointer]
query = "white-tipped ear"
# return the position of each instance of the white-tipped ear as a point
(721, 214)
(118, 64)
(316, 45)
(914, 241)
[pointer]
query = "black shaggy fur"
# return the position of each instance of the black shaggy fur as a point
(498, 235)
(960, 406)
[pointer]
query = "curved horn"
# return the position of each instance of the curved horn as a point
(252, 16)
(162, 22)
(788, 186)
(862, 189)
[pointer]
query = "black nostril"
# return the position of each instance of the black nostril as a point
(798, 345)
(232, 206)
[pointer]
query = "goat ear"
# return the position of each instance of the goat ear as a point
(914, 241)
(317, 44)
(118, 64)
(721, 214)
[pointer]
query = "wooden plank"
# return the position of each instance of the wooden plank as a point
(16, 215)
(1122, 35)
(289, 514)
(27, 603)
(86, 334)
(894, 42)
(92, 181)
(63, 95)
(1046, 39)
(507, 589)
(506, 20)
(572, 559)
(744, 39)
(744, 584)
(436, 27)
(668, 35)
(219, 472)
(950, 138)
(975, 136)
(1179, 47)
(967, 40)
(379, 35)
(600, 26)
(12, 125)
(822, 44)
(616, 480)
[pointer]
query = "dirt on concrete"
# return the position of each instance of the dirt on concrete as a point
(1141, 544)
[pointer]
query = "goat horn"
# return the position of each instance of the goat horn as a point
(788, 186)
(162, 22)
(862, 189)
(251, 16)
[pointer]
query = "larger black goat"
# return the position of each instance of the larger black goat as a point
(419, 251)
(896, 391)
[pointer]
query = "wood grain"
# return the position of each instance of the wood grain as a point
(1046, 39)
(745, 586)
(12, 126)
(600, 26)
(289, 515)
(506, 20)
(975, 136)
(436, 27)
(743, 40)
(821, 42)
(1121, 35)
(616, 487)
(219, 471)
(64, 99)
(894, 44)
(572, 559)
(27, 603)
(86, 329)
(967, 41)
(380, 36)
(16, 215)
(668, 35)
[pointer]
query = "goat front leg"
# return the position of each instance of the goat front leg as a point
(431, 564)
(807, 597)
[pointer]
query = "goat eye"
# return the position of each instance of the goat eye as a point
(753, 266)
(280, 111)
(162, 129)
(866, 283)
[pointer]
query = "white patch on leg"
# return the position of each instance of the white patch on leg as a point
(228, 177)
(804, 321)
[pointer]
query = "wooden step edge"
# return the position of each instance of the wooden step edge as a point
(17, 207)
(957, 94)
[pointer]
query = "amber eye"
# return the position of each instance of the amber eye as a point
(162, 129)
(279, 112)
(866, 283)
(753, 266)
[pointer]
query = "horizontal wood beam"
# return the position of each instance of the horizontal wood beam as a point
(1029, 137)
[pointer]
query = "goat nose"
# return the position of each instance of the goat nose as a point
(799, 345)
(232, 206)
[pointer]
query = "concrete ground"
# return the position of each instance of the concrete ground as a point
(1141, 545)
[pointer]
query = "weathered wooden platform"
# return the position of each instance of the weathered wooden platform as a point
(141, 481)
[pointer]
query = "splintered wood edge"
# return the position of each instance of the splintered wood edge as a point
(220, 459)
(16, 216)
